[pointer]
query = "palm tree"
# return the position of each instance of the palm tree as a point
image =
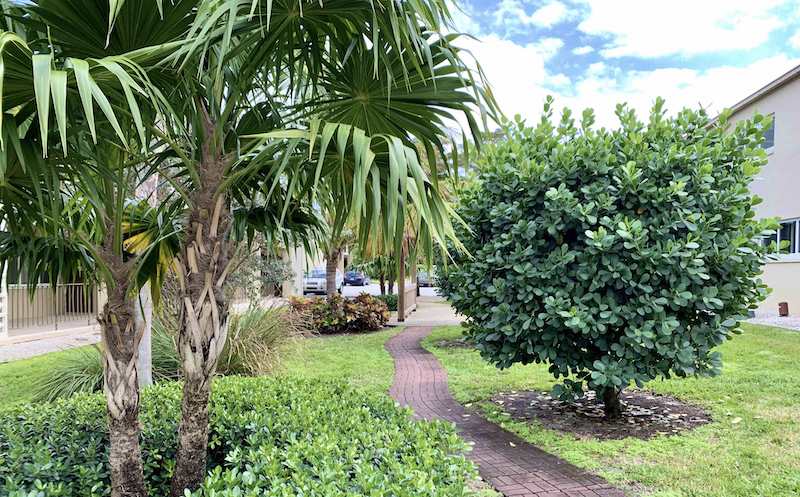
(283, 102)
(65, 215)
(327, 98)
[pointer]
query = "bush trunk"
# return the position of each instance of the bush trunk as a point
(612, 407)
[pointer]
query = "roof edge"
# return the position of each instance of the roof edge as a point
(770, 87)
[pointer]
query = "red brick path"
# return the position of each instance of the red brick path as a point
(513, 466)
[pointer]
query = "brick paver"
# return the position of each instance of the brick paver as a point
(512, 466)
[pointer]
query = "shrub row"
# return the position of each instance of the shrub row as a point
(342, 315)
(270, 437)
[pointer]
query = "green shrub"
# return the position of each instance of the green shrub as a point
(613, 256)
(255, 339)
(338, 314)
(267, 437)
(390, 299)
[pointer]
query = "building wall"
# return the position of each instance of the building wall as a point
(778, 185)
(784, 279)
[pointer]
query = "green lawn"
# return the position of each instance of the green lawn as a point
(751, 449)
(758, 455)
(17, 377)
(360, 359)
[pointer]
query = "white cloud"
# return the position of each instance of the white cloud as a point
(655, 28)
(586, 49)
(794, 41)
(714, 88)
(550, 14)
(462, 21)
(548, 47)
(520, 81)
(559, 80)
(513, 17)
(516, 72)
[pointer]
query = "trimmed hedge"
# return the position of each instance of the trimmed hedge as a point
(271, 437)
(338, 314)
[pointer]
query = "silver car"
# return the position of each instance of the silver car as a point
(315, 281)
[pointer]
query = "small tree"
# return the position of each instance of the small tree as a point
(615, 257)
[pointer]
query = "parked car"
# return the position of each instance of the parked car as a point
(425, 279)
(315, 281)
(356, 278)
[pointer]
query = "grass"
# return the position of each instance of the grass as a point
(752, 448)
(17, 377)
(359, 359)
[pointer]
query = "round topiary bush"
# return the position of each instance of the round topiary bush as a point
(615, 257)
(267, 437)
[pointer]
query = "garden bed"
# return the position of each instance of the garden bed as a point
(645, 414)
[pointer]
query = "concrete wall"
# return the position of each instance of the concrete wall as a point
(778, 185)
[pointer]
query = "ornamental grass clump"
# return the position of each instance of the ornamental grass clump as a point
(256, 339)
(613, 256)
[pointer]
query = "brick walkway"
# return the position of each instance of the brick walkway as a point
(512, 466)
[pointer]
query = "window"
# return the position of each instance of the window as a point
(785, 239)
(769, 135)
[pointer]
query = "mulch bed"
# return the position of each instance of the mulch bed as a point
(455, 343)
(645, 414)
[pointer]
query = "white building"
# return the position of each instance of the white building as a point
(778, 182)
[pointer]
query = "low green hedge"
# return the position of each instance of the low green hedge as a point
(270, 437)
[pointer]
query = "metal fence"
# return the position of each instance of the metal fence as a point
(68, 304)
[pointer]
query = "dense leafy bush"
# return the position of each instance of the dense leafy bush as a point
(390, 300)
(338, 314)
(255, 339)
(613, 256)
(268, 437)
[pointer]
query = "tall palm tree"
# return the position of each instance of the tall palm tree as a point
(328, 98)
(95, 142)
(284, 101)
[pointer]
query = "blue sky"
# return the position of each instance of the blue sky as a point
(595, 53)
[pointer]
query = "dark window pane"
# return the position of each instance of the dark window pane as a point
(769, 135)
(787, 236)
(771, 242)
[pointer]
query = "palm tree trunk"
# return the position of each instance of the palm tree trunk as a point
(383, 285)
(203, 268)
(391, 287)
(204, 325)
(331, 263)
(120, 339)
